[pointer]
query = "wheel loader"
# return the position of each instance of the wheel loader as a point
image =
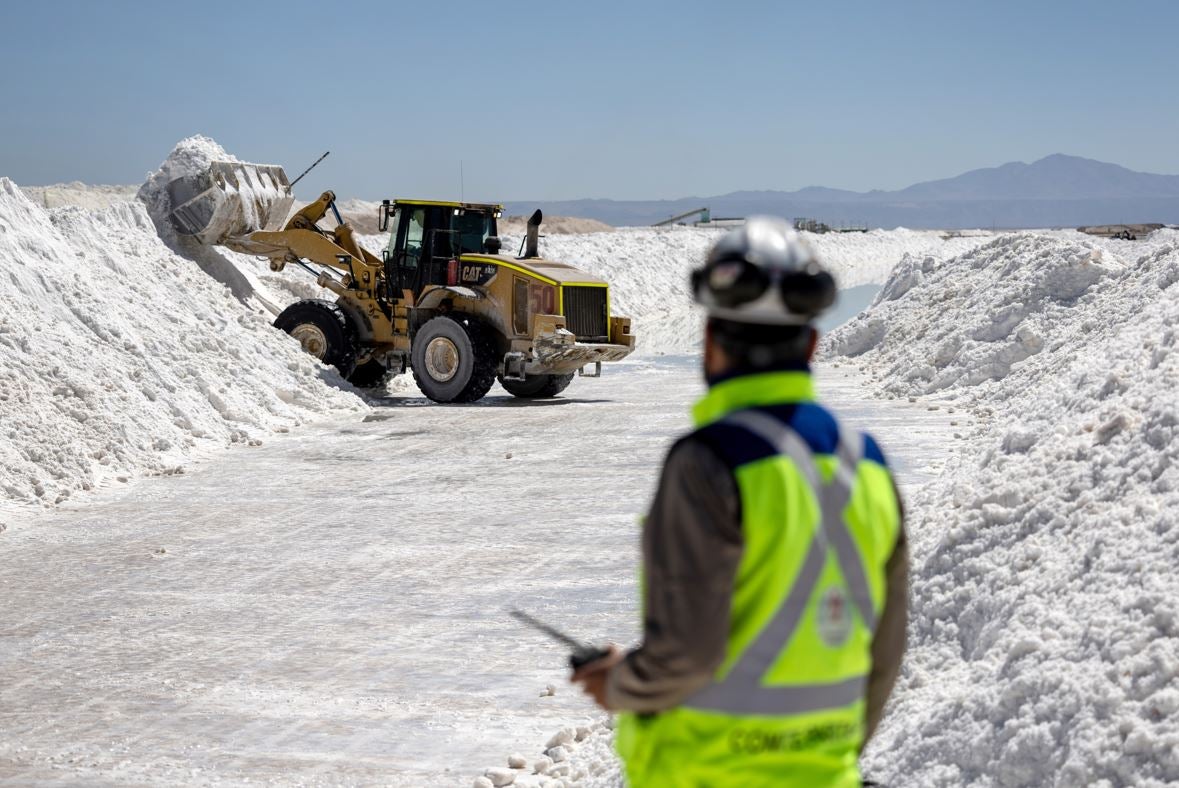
(442, 300)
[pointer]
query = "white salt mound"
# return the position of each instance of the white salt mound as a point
(191, 156)
(118, 358)
(1044, 643)
(648, 270)
(81, 195)
(554, 225)
(1022, 304)
(249, 278)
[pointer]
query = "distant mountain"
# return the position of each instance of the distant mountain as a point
(1055, 177)
(1056, 191)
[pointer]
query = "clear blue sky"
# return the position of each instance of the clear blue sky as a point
(587, 99)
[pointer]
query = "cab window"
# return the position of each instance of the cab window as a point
(414, 236)
(471, 230)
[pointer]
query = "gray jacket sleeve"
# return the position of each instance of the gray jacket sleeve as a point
(692, 545)
(888, 643)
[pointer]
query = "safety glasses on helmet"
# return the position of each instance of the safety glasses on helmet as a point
(734, 282)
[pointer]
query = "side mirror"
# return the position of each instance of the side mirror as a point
(384, 211)
(492, 244)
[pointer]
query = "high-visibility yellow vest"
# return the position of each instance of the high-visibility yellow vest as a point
(820, 520)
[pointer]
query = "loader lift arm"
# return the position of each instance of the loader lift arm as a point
(303, 239)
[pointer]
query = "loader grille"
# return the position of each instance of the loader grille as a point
(585, 313)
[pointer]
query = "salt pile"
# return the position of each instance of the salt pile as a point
(191, 156)
(118, 358)
(966, 324)
(252, 194)
(82, 195)
(243, 275)
(1044, 643)
(648, 270)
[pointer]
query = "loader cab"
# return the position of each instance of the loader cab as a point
(424, 237)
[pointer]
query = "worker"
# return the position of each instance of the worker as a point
(774, 557)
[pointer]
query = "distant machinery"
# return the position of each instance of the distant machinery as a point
(706, 218)
(805, 224)
(704, 213)
(801, 223)
(1126, 232)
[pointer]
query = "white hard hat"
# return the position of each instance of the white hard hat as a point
(763, 272)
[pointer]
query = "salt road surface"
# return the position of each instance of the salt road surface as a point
(330, 608)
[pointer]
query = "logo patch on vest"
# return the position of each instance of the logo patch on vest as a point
(835, 616)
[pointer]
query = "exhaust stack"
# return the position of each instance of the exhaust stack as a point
(532, 240)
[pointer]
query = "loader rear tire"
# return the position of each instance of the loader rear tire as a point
(537, 386)
(323, 330)
(453, 358)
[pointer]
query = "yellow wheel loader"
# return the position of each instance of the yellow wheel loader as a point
(441, 300)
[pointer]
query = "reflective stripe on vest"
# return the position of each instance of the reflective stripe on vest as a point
(741, 691)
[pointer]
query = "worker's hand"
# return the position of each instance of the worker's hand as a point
(592, 677)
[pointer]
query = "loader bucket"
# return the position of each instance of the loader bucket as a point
(230, 199)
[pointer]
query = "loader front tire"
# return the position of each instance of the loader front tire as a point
(537, 386)
(453, 358)
(323, 330)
